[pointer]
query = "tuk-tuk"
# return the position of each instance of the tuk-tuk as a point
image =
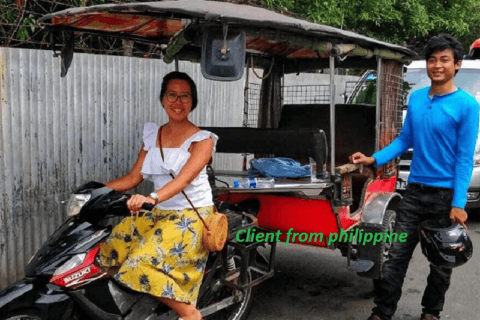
(474, 52)
(340, 205)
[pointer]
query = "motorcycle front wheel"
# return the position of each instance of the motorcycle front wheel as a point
(21, 315)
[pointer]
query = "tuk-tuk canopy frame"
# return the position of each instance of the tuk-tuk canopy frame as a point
(294, 45)
(178, 26)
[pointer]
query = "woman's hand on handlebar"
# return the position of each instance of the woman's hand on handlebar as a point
(360, 158)
(136, 202)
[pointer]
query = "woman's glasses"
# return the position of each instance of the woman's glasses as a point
(184, 97)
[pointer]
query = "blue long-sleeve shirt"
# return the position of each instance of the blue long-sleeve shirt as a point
(442, 131)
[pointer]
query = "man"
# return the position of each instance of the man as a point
(442, 126)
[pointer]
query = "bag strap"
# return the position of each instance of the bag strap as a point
(173, 177)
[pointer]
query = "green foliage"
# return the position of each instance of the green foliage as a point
(397, 21)
(28, 25)
(10, 15)
(368, 94)
(84, 3)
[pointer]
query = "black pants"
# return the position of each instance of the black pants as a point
(419, 204)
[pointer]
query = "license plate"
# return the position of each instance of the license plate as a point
(401, 185)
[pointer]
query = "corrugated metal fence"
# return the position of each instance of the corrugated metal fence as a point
(56, 133)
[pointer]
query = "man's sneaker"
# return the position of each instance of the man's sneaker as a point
(427, 316)
(375, 317)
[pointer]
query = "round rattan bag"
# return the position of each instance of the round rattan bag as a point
(215, 232)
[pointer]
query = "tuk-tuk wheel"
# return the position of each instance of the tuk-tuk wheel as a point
(217, 292)
(381, 251)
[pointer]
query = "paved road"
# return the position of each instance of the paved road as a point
(314, 283)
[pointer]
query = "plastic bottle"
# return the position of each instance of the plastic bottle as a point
(249, 183)
(265, 183)
(237, 184)
(255, 183)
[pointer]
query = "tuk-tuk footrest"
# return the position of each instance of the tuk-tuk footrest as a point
(361, 265)
(252, 270)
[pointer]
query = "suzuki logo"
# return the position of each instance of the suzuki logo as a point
(77, 275)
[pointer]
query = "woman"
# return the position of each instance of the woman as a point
(160, 252)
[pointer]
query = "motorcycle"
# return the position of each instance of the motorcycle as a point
(62, 280)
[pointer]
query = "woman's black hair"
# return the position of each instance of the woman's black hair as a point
(175, 75)
(444, 41)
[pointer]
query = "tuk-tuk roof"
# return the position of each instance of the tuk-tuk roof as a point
(267, 33)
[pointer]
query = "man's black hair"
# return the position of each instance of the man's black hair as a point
(444, 41)
(176, 75)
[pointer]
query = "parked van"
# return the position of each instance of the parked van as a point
(468, 79)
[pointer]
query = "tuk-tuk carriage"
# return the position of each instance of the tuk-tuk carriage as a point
(340, 206)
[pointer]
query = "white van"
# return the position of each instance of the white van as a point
(468, 79)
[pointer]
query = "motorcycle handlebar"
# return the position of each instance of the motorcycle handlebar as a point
(145, 206)
(148, 206)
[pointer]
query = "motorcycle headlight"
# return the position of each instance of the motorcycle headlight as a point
(76, 202)
(72, 263)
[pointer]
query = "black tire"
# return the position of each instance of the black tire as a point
(381, 250)
(474, 214)
(238, 311)
(22, 315)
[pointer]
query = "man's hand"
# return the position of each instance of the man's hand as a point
(459, 215)
(360, 158)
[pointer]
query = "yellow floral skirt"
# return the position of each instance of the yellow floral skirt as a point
(159, 252)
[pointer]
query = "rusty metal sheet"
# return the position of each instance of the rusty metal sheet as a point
(133, 24)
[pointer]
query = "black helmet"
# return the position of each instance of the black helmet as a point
(445, 244)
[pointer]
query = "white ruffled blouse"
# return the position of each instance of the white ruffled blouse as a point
(158, 171)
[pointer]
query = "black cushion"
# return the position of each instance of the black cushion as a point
(354, 125)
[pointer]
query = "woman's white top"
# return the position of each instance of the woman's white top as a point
(158, 171)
